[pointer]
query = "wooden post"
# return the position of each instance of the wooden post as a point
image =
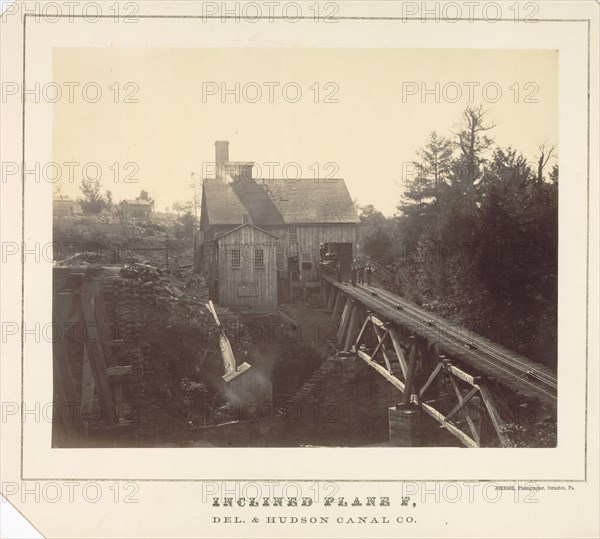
(474, 408)
(61, 366)
(344, 320)
(424, 355)
(462, 401)
(103, 325)
(96, 356)
(384, 349)
(334, 292)
(167, 251)
(364, 326)
(433, 376)
(435, 361)
(494, 416)
(399, 352)
(352, 327)
(87, 386)
(412, 368)
(336, 306)
(118, 398)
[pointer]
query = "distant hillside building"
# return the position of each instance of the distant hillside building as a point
(136, 209)
(305, 216)
(63, 206)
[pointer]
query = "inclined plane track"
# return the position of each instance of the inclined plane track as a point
(489, 358)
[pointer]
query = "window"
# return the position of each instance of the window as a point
(236, 258)
(306, 261)
(259, 258)
(293, 234)
(279, 260)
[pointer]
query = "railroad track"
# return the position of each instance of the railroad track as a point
(491, 359)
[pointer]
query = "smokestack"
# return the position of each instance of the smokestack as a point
(221, 152)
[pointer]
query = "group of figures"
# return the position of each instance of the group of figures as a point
(357, 273)
(360, 272)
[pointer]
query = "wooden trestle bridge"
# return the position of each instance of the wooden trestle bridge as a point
(454, 376)
(446, 371)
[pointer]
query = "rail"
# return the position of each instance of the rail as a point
(487, 357)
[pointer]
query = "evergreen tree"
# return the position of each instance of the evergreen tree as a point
(93, 201)
(144, 195)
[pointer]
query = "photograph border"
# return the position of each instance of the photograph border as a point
(423, 19)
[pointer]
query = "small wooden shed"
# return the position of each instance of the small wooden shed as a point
(64, 206)
(245, 267)
(136, 209)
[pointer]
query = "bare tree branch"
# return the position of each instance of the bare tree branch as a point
(544, 157)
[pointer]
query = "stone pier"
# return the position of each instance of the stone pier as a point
(406, 425)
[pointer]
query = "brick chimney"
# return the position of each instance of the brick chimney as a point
(221, 152)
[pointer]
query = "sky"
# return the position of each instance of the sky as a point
(292, 111)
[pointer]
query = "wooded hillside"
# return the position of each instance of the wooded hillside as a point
(475, 237)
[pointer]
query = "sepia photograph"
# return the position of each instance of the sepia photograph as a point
(254, 277)
(299, 269)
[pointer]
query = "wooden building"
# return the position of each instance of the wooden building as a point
(136, 209)
(306, 216)
(63, 206)
(243, 267)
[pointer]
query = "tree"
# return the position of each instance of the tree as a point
(182, 207)
(544, 157)
(554, 175)
(423, 210)
(185, 226)
(476, 237)
(472, 142)
(92, 201)
(432, 168)
(504, 217)
(197, 195)
(374, 235)
(506, 167)
(518, 229)
(144, 195)
(109, 200)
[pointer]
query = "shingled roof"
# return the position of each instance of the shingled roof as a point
(279, 202)
(137, 202)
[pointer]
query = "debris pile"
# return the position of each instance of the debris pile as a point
(170, 340)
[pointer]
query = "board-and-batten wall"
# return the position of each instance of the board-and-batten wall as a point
(309, 238)
(236, 283)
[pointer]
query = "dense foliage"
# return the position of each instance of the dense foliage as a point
(475, 238)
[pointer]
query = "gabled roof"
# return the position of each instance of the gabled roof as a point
(137, 202)
(279, 202)
(222, 205)
(245, 225)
